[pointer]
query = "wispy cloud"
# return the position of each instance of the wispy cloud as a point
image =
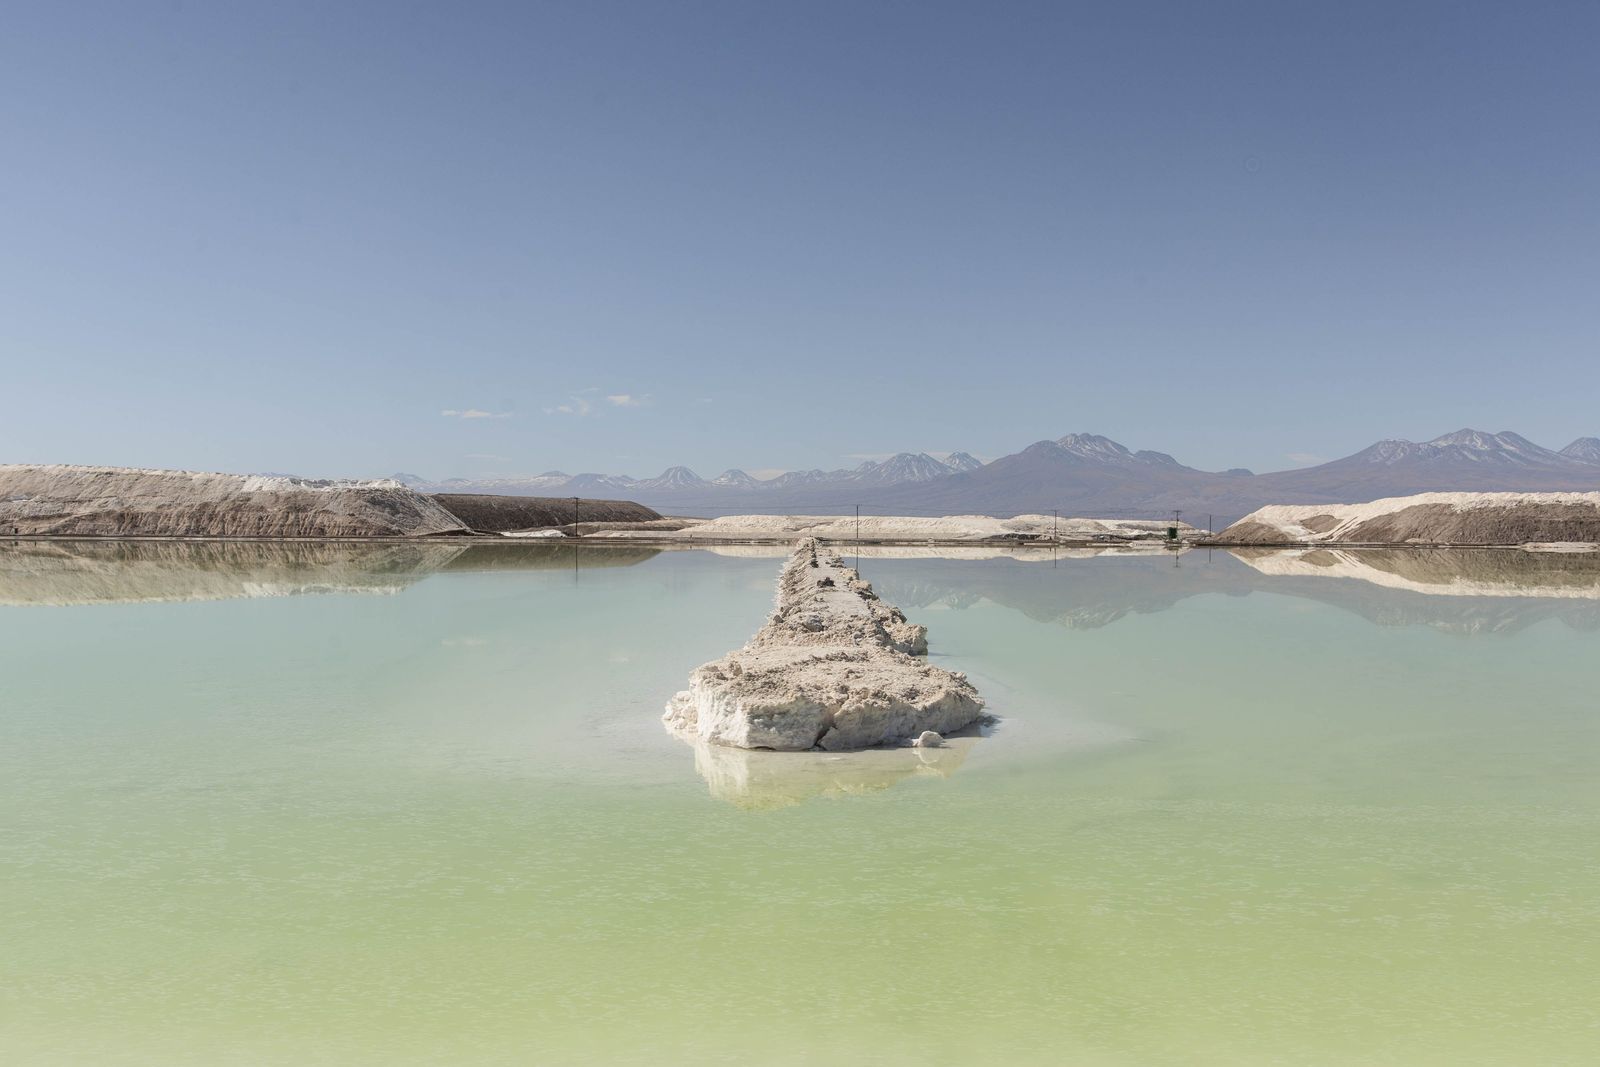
(577, 405)
(589, 402)
(1305, 459)
(473, 413)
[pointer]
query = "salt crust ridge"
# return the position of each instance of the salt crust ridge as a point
(247, 483)
(833, 668)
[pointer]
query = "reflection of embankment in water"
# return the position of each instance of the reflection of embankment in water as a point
(1461, 591)
(101, 572)
(1081, 590)
(759, 779)
(1441, 572)
(96, 572)
(510, 555)
(1020, 553)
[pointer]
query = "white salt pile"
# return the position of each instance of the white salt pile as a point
(834, 668)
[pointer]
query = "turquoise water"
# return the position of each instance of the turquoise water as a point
(350, 805)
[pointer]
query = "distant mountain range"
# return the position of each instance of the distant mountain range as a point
(1088, 475)
(680, 482)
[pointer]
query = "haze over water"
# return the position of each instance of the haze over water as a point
(426, 811)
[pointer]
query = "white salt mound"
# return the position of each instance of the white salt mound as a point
(834, 668)
(66, 501)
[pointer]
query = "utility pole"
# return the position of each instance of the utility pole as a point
(858, 540)
(575, 531)
(1055, 524)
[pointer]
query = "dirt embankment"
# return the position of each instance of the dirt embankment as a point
(498, 514)
(1429, 518)
(1513, 525)
(68, 501)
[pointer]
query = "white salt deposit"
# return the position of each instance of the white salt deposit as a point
(72, 500)
(834, 668)
(837, 528)
(244, 483)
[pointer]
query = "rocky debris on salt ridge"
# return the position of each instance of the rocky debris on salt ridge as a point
(834, 668)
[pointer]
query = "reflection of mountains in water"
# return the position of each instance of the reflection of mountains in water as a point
(1460, 591)
(98, 572)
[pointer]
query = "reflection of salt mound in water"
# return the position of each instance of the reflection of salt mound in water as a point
(1442, 572)
(89, 572)
(757, 779)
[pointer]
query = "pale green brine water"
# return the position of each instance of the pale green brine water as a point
(1315, 809)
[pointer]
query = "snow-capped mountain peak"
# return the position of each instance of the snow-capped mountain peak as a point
(734, 478)
(962, 461)
(1466, 438)
(1584, 449)
(1388, 452)
(675, 478)
(591, 481)
(906, 467)
(795, 479)
(1468, 446)
(1093, 446)
(1504, 448)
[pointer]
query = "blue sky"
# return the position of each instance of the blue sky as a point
(294, 237)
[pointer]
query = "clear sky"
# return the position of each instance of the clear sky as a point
(298, 236)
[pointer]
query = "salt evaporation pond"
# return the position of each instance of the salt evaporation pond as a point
(332, 804)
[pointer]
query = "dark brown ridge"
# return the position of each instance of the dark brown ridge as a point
(487, 513)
